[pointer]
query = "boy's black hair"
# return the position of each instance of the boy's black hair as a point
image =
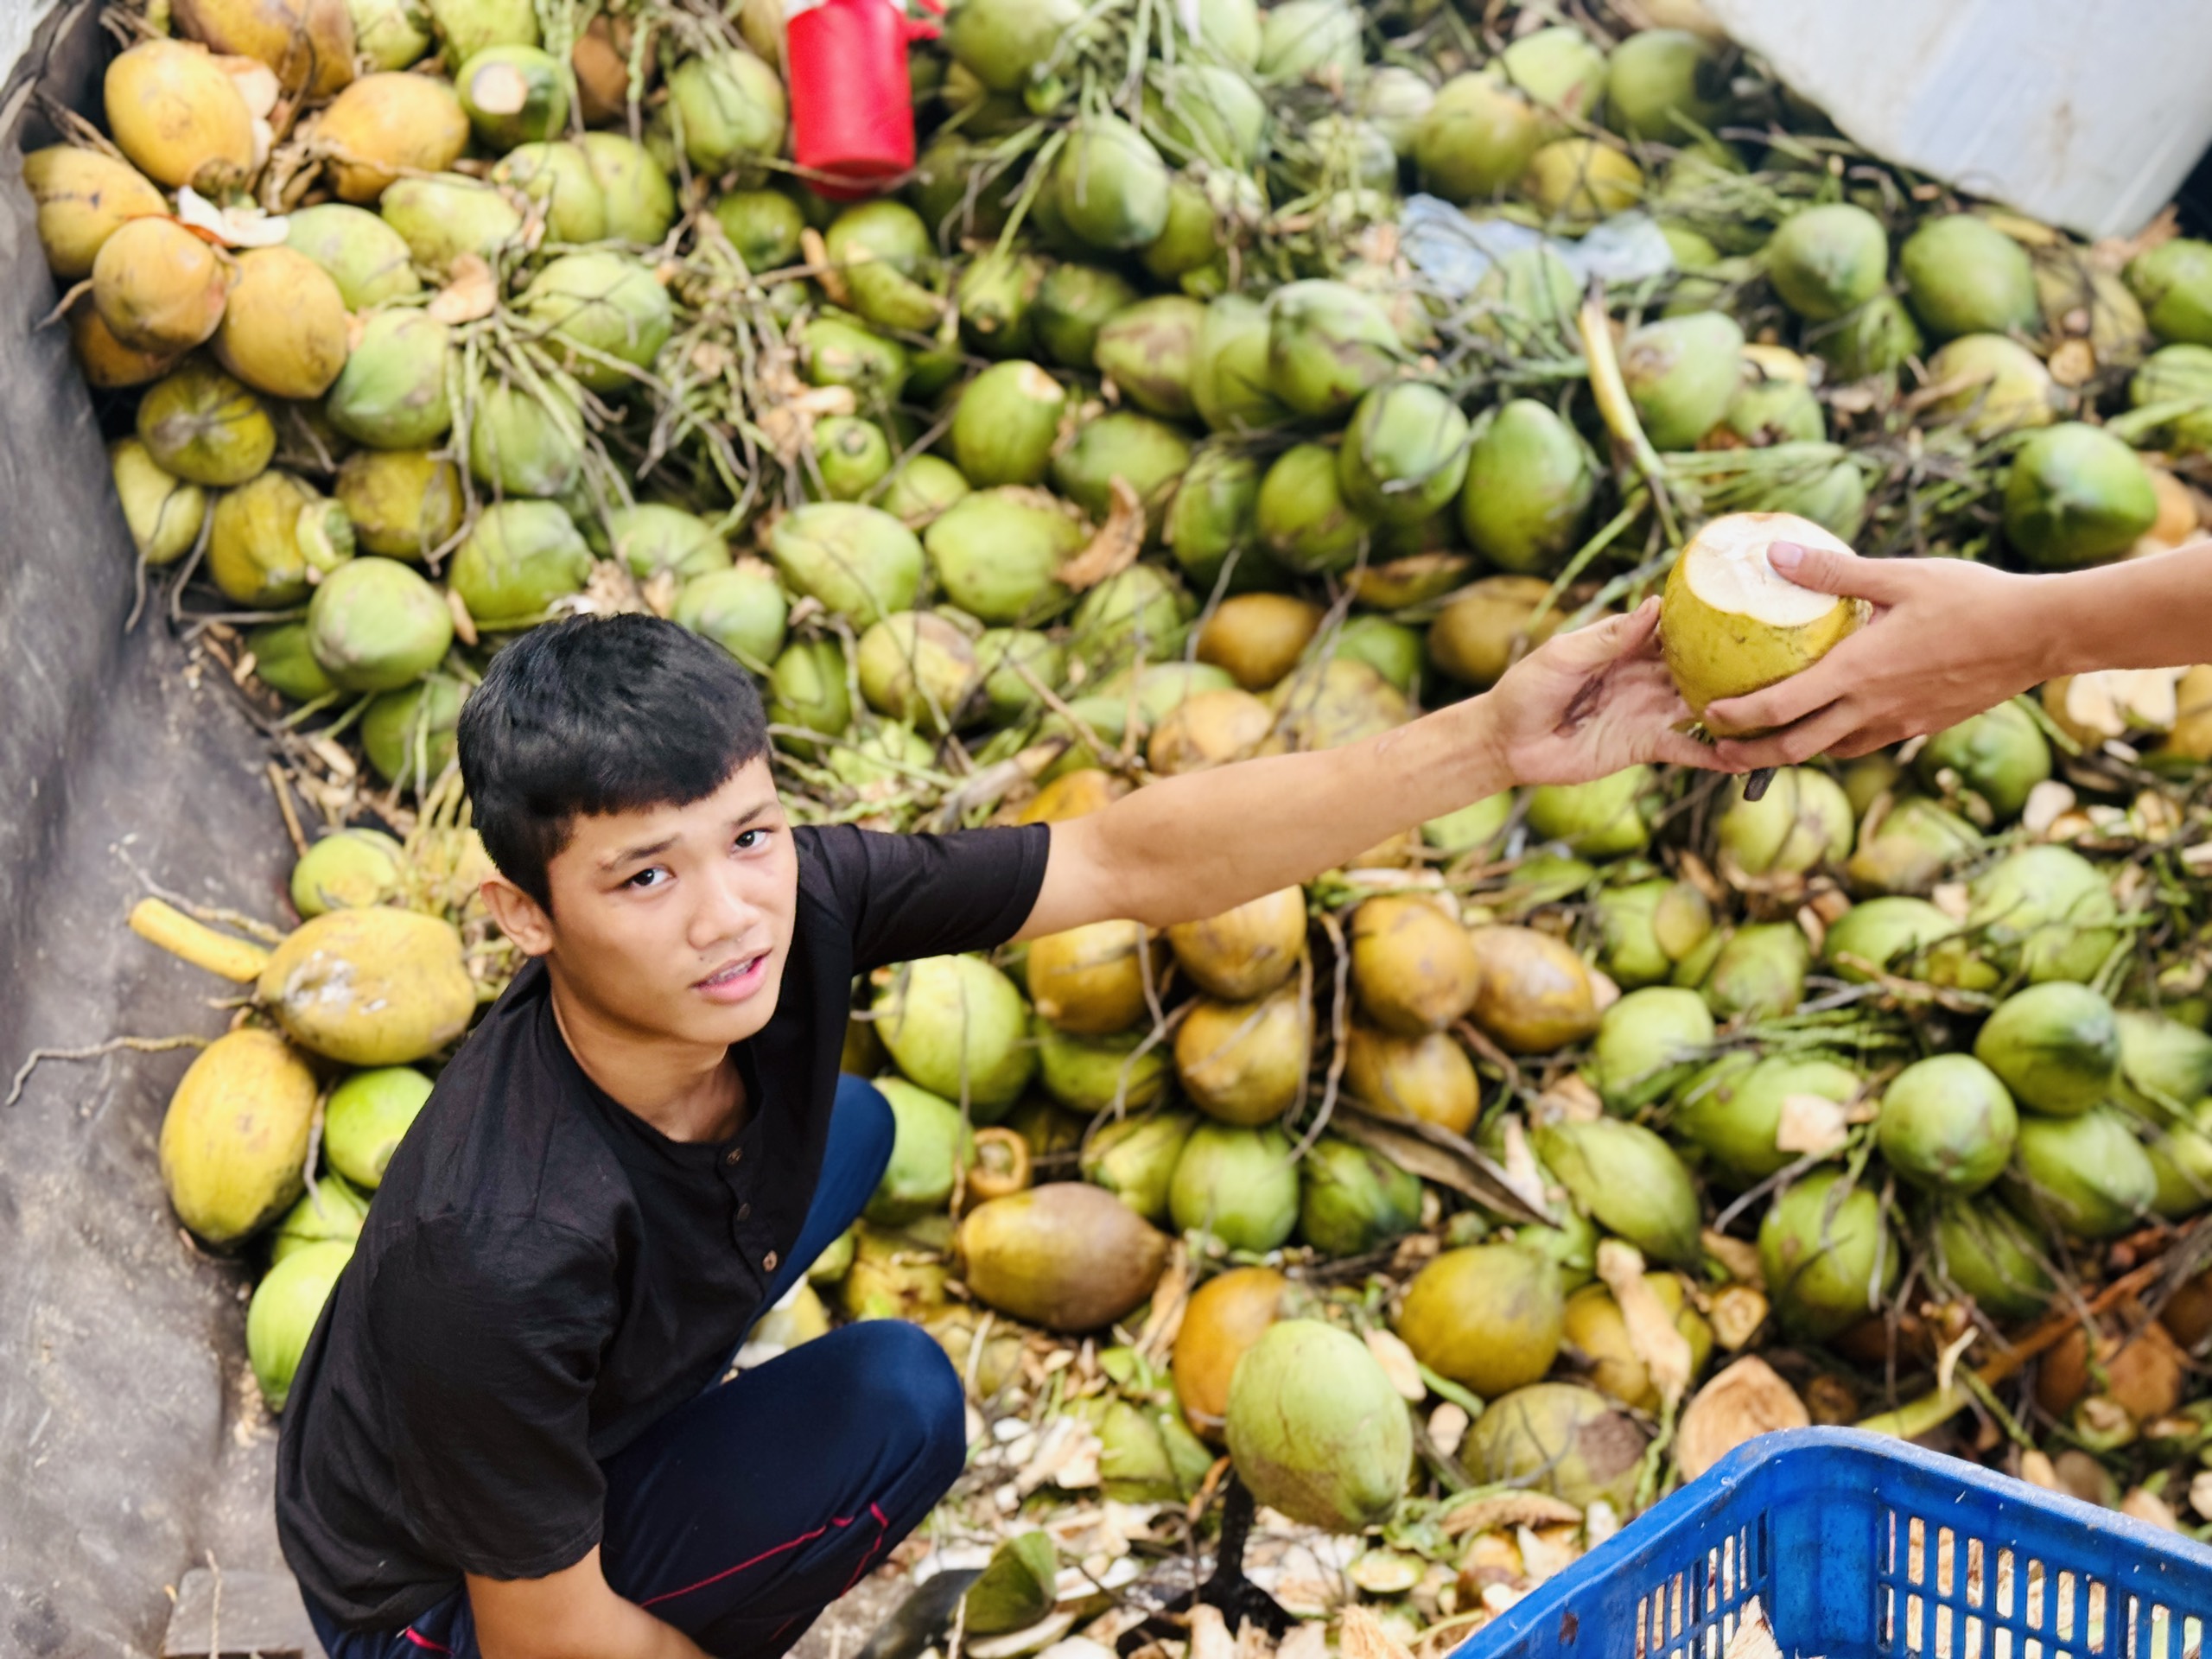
(596, 714)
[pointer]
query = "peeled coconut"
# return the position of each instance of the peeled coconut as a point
(1223, 1319)
(1730, 624)
(235, 1135)
(1947, 1124)
(83, 197)
(1091, 980)
(1988, 1254)
(1427, 1080)
(1529, 485)
(372, 987)
(1963, 275)
(1413, 966)
(365, 1118)
(1245, 1063)
(1827, 1258)
(1133, 1158)
(956, 1026)
(1244, 953)
(2055, 1046)
(1629, 1181)
(383, 124)
(1316, 1428)
(157, 287)
(1533, 993)
(1597, 1331)
(1067, 1255)
(895, 1275)
(2077, 496)
(1239, 1185)
(2046, 911)
(282, 1314)
(1562, 1439)
(1648, 1044)
(1828, 260)
(175, 111)
(858, 562)
(1353, 1200)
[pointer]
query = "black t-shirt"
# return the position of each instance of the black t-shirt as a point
(543, 1274)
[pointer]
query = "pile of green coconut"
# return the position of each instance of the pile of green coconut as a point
(1225, 382)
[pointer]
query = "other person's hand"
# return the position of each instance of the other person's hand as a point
(1590, 703)
(1949, 638)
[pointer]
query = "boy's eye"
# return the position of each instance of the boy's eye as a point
(749, 840)
(642, 880)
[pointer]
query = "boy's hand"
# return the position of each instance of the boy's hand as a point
(1590, 703)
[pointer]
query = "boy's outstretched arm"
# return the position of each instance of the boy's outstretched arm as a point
(1584, 706)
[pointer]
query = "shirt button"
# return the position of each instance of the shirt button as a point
(744, 1212)
(769, 1261)
(734, 1155)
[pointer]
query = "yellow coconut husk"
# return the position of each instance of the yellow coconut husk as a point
(1209, 728)
(1488, 627)
(2178, 519)
(1412, 965)
(179, 118)
(107, 362)
(1427, 1079)
(159, 287)
(1596, 1329)
(382, 124)
(1731, 625)
(1073, 795)
(370, 987)
(1243, 1062)
(309, 44)
(600, 63)
(285, 325)
(1244, 953)
(83, 197)
(234, 1140)
(1740, 1404)
(1225, 1317)
(1258, 638)
(1533, 993)
(2191, 737)
(1091, 980)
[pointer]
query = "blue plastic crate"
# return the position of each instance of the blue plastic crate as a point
(1858, 1546)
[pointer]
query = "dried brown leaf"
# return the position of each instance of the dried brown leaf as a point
(1508, 1509)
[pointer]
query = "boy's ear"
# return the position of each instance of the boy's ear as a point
(520, 917)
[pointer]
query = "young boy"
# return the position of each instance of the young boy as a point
(510, 1434)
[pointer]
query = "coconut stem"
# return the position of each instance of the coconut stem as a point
(158, 923)
(1614, 405)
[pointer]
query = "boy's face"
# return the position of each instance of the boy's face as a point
(675, 921)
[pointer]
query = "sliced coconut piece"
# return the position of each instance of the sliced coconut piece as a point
(1744, 1401)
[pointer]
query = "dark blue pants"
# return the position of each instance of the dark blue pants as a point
(739, 1517)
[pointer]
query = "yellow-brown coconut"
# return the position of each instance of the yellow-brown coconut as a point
(1258, 638)
(157, 287)
(1209, 728)
(1484, 631)
(1427, 1079)
(2191, 737)
(372, 987)
(1091, 980)
(1411, 964)
(1073, 795)
(382, 124)
(179, 118)
(234, 1141)
(1595, 1329)
(283, 329)
(107, 361)
(1489, 1317)
(1242, 1062)
(83, 199)
(1244, 953)
(1068, 1255)
(307, 44)
(1535, 993)
(1225, 1316)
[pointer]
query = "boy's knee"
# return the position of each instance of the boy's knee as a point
(862, 1114)
(913, 1391)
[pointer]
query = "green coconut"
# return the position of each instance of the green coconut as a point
(1827, 1256)
(604, 313)
(1211, 520)
(517, 560)
(2174, 282)
(1828, 261)
(919, 488)
(1911, 848)
(282, 1314)
(1562, 1439)
(2165, 1066)
(1391, 649)
(1148, 350)
(1191, 241)
(1352, 1199)
(1984, 1251)
(834, 351)
(1303, 39)
(2055, 1046)
(995, 296)
(366, 259)
(1759, 973)
(1731, 1111)
(1963, 275)
(1947, 1124)
(375, 624)
(1394, 100)
(895, 1274)
(1138, 613)
(641, 199)
(729, 108)
(444, 216)
(2046, 912)
(525, 440)
(393, 393)
(347, 868)
(918, 668)
(1111, 186)
(403, 504)
(808, 690)
(997, 553)
(1648, 1044)
(1601, 819)
(1667, 84)
(1006, 423)
(204, 427)
(285, 665)
(764, 226)
(1629, 1181)
(957, 1026)
(883, 755)
(1529, 481)
(1134, 1158)
(365, 1118)
(409, 735)
(858, 562)
(741, 608)
(2179, 374)
(1328, 344)
(1303, 519)
(1768, 412)
(1681, 373)
(929, 1144)
(1488, 1316)
(1146, 453)
(1404, 455)
(2000, 386)
(1207, 112)
(654, 537)
(557, 176)
(1908, 936)
(1803, 822)
(270, 539)
(1316, 1427)
(1876, 338)
(330, 1213)
(851, 456)
(2077, 496)
(1647, 927)
(514, 95)
(1014, 662)
(1575, 182)
(1134, 1464)
(1231, 384)
(164, 511)
(1999, 756)
(1238, 1184)
(2181, 1156)
(1073, 303)
(2087, 1174)
(1003, 42)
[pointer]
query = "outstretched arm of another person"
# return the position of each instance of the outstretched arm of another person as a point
(1951, 638)
(1584, 706)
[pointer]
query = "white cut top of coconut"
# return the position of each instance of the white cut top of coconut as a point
(1727, 567)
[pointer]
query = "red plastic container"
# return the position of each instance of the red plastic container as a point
(852, 106)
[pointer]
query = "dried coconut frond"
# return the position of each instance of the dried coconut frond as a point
(1653, 1336)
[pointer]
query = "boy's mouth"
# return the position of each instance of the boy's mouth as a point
(735, 982)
